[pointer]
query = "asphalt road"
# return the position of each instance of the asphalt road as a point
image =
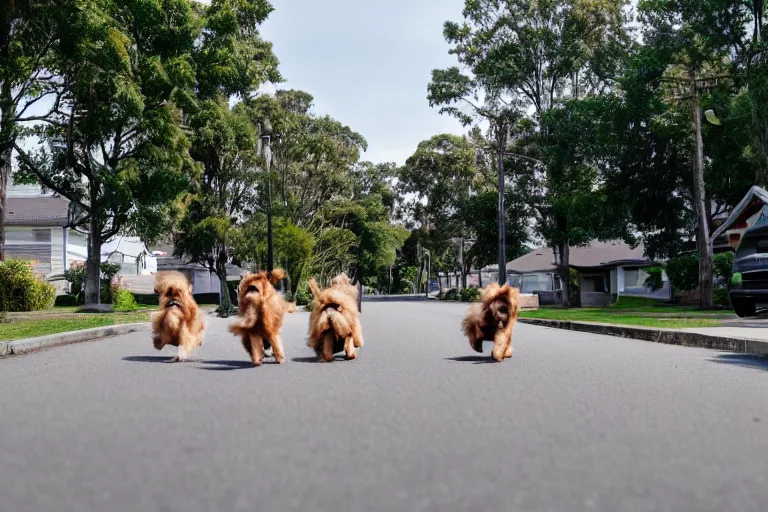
(418, 422)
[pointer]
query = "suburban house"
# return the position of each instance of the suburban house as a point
(36, 230)
(607, 270)
(203, 281)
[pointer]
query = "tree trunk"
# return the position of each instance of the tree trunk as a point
(5, 173)
(563, 270)
(463, 267)
(93, 263)
(7, 137)
(225, 304)
(706, 257)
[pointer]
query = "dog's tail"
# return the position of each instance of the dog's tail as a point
(244, 323)
(471, 327)
(314, 287)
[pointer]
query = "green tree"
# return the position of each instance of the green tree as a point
(28, 32)
(225, 143)
(114, 134)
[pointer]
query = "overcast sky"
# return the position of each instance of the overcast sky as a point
(368, 63)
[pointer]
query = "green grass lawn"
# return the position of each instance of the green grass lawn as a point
(621, 317)
(27, 328)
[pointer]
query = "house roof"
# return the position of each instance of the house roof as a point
(752, 203)
(36, 211)
(126, 245)
(596, 254)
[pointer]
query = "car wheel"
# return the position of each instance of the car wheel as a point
(743, 307)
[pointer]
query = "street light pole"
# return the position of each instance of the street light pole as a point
(429, 271)
(268, 161)
(502, 141)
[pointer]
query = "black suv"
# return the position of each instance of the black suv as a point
(749, 282)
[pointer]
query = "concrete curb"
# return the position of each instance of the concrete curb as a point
(17, 347)
(666, 336)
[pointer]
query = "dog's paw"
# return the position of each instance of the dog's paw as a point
(478, 346)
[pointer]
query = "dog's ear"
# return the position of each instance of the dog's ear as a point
(276, 276)
(314, 288)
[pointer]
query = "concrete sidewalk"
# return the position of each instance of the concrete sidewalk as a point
(742, 340)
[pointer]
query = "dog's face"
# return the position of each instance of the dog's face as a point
(173, 289)
(501, 303)
(255, 289)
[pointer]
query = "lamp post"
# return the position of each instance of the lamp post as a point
(429, 271)
(502, 142)
(265, 131)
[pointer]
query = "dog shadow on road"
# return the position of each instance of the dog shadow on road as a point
(743, 360)
(472, 359)
(149, 359)
(314, 359)
(229, 365)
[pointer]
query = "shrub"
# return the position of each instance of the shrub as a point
(655, 280)
(302, 296)
(75, 275)
(66, 301)
(723, 267)
(123, 300)
(471, 294)
(720, 297)
(22, 290)
(683, 272)
(451, 294)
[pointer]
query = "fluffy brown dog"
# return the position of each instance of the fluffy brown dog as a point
(334, 325)
(262, 310)
(179, 321)
(493, 319)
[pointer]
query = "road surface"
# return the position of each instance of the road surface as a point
(572, 422)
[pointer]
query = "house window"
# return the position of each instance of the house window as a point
(631, 278)
(39, 255)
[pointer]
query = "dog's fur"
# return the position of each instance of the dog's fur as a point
(493, 319)
(334, 324)
(179, 322)
(262, 310)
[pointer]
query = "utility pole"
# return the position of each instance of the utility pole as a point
(690, 89)
(265, 136)
(501, 136)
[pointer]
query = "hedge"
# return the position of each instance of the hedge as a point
(22, 290)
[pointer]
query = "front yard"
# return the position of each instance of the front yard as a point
(55, 322)
(640, 312)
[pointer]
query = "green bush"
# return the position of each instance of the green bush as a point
(451, 294)
(720, 297)
(66, 301)
(22, 290)
(302, 296)
(75, 275)
(471, 294)
(655, 278)
(723, 267)
(123, 300)
(683, 272)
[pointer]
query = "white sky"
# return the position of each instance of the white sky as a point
(368, 64)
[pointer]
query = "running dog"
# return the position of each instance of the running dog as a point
(262, 310)
(493, 319)
(334, 324)
(179, 322)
